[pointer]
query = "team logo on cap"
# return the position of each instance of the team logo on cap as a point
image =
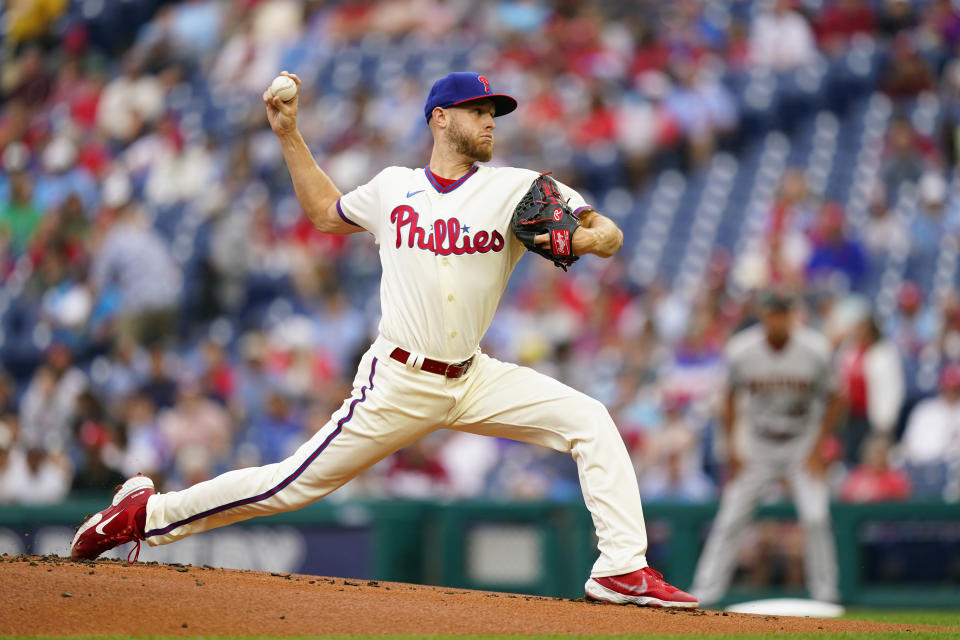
(486, 83)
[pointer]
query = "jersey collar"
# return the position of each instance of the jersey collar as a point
(440, 189)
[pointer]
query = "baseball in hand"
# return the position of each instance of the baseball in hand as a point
(284, 88)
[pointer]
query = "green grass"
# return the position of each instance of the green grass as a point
(938, 617)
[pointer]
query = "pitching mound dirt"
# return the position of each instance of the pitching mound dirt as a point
(53, 596)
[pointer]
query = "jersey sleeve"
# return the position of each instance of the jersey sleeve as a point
(732, 364)
(828, 373)
(575, 200)
(361, 207)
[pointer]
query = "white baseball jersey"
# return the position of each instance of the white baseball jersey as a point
(785, 389)
(447, 253)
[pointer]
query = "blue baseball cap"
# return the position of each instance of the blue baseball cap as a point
(463, 86)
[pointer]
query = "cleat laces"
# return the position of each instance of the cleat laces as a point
(135, 552)
(656, 573)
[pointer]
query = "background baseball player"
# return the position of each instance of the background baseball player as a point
(447, 247)
(781, 376)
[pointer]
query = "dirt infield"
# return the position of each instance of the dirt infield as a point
(53, 596)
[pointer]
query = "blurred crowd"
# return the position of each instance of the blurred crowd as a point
(166, 308)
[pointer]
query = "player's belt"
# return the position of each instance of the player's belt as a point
(779, 437)
(454, 370)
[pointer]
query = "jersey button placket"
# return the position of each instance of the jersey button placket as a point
(447, 276)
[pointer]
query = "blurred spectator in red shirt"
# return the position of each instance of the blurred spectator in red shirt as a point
(78, 90)
(907, 73)
(841, 21)
(218, 372)
(737, 52)
(873, 480)
(872, 375)
(597, 125)
(651, 53)
(416, 471)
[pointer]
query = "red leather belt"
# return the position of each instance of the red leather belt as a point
(435, 366)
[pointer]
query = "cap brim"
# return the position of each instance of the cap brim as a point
(503, 103)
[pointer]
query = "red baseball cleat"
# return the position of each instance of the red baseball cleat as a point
(116, 524)
(644, 587)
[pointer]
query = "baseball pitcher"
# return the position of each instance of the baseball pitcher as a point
(782, 377)
(450, 235)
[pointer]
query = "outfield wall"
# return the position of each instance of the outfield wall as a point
(904, 554)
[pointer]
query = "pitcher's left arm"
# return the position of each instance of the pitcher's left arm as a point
(597, 234)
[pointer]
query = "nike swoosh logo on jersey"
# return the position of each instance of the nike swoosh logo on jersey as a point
(99, 527)
(413, 193)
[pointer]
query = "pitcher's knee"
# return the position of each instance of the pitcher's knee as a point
(594, 421)
(596, 412)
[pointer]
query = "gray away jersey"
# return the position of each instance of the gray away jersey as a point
(785, 391)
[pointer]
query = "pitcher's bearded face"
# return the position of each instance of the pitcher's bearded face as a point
(470, 132)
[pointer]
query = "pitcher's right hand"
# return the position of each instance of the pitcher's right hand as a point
(282, 115)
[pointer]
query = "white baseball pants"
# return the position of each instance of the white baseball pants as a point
(391, 406)
(811, 494)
